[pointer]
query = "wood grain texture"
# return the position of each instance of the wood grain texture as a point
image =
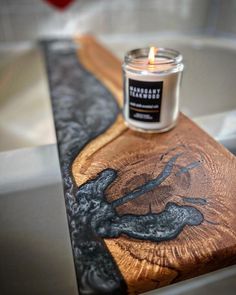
(203, 177)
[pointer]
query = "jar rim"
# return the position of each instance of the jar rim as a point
(164, 56)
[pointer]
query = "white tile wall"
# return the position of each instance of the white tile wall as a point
(32, 19)
(226, 24)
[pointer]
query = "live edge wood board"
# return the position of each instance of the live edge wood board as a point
(144, 210)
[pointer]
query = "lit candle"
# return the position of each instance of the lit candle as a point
(151, 88)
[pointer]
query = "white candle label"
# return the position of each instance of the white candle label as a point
(145, 100)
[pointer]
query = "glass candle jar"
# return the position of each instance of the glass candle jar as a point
(151, 89)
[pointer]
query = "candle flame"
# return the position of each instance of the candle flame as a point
(151, 55)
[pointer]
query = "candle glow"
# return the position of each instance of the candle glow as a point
(151, 55)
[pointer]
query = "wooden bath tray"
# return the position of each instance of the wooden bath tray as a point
(144, 210)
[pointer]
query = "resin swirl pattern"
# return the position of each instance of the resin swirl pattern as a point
(79, 101)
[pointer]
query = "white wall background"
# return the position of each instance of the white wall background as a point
(32, 19)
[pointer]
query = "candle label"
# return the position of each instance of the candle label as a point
(145, 100)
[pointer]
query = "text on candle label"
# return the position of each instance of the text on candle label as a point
(145, 100)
